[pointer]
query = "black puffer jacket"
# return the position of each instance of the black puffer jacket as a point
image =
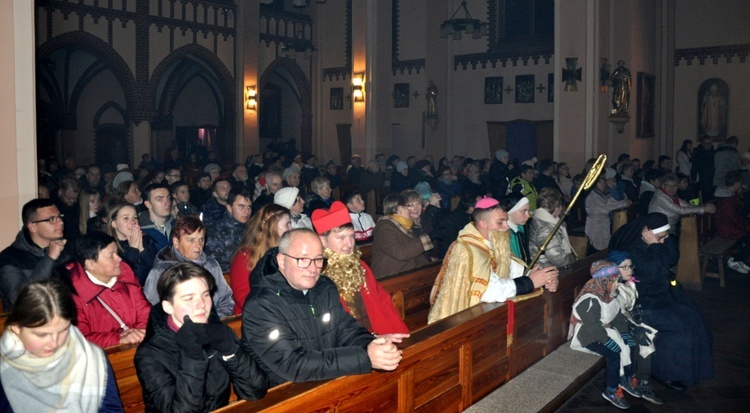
(173, 382)
(300, 337)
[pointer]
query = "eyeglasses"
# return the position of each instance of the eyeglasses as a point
(305, 262)
(626, 267)
(54, 219)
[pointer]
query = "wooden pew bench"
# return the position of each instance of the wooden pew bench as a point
(448, 365)
(411, 293)
(716, 249)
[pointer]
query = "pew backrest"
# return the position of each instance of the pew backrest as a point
(413, 290)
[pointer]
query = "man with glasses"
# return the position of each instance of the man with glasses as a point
(225, 234)
(38, 249)
(172, 175)
(293, 322)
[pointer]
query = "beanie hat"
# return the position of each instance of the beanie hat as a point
(326, 220)
(609, 173)
(424, 190)
(121, 177)
(121, 166)
(210, 167)
(286, 197)
(400, 166)
(618, 256)
(500, 154)
(603, 268)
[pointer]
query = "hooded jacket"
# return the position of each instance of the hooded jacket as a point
(174, 382)
(24, 262)
(159, 235)
(125, 298)
(168, 257)
(297, 336)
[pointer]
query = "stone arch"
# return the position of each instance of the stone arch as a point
(106, 55)
(305, 95)
(109, 105)
(225, 82)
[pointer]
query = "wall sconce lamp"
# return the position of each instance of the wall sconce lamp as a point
(358, 86)
(251, 102)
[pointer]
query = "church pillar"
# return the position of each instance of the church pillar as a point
(364, 57)
(248, 139)
(141, 133)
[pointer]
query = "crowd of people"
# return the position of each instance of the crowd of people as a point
(139, 256)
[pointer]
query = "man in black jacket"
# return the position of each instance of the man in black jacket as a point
(293, 322)
(37, 250)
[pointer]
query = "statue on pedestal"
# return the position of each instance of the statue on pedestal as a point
(621, 82)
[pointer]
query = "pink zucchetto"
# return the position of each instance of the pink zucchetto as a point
(486, 203)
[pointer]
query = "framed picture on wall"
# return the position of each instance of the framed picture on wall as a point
(551, 87)
(401, 95)
(337, 98)
(646, 105)
(493, 90)
(525, 89)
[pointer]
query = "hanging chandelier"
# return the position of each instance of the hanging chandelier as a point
(454, 26)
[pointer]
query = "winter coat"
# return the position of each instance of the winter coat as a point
(168, 257)
(125, 298)
(363, 226)
(139, 261)
(730, 223)
(174, 382)
(661, 202)
(300, 337)
(559, 251)
(598, 222)
(222, 238)
(213, 211)
(24, 262)
(160, 235)
(726, 158)
(396, 249)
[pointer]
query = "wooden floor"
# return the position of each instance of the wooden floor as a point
(727, 312)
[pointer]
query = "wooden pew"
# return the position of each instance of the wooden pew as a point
(449, 365)
(619, 218)
(414, 289)
(688, 267)
(366, 250)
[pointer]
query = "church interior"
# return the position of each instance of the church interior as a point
(108, 81)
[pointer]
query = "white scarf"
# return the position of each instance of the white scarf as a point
(544, 215)
(72, 379)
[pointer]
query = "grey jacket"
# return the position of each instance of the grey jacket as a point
(661, 203)
(222, 298)
(598, 221)
(726, 159)
(555, 253)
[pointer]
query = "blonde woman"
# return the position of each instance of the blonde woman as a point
(90, 203)
(264, 230)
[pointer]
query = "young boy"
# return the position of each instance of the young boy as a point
(363, 222)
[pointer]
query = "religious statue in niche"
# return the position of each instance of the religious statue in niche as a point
(431, 96)
(712, 108)
(621, 82)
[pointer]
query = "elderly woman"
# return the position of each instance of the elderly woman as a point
(111, 307)
(319, 195)
(598, 221)
(665, 201)
(558, 252)
(395, 247)
(683, 355)
(188, 239)
(424, 209)
(291, 177)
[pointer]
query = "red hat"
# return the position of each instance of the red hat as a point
(326, 220)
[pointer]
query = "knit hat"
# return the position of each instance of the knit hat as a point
(486, 203)
(400, 166)
(609, 173)
(501, 153)
(603, 268)
(424, 190)
(210, 167)
(286, 197)
(121, 177)
(618, 256)
(289, 172)
(121, 166)
(326, 220)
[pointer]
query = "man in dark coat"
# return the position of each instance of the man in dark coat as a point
(703, 168)
(293, 322)
(38, 249)
(499, 174)
(449, 227)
